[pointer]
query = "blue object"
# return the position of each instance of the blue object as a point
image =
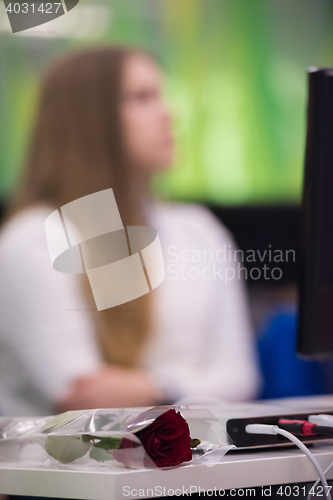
(285, 374)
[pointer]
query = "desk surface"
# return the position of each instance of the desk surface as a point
(234, 470)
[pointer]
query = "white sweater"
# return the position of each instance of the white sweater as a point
(202, 344)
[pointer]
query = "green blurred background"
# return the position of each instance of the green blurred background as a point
(236, 80)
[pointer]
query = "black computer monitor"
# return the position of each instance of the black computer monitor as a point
(315, 321)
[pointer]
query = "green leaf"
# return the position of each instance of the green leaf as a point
(104, 420)
(194, 442)
(106, 443)
(116, 427)
(86, 438)
(109, 443)
(100, 455)
(57, 421)
(66, 448)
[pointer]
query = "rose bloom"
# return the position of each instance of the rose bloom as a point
(166, 441)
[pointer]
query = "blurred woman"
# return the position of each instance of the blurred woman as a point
(102, 123)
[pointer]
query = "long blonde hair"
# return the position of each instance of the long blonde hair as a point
(77, 149)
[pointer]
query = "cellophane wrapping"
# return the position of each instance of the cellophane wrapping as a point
(78, 437)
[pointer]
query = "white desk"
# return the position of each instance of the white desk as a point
(236, 470)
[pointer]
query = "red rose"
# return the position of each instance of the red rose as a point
(166, 441)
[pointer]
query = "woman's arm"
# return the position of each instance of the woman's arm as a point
(111, 387)
(49, 330)
(226, 367)
(46, 330)
(233, 371)
(220, 358)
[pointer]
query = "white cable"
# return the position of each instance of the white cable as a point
(311, 457)
(310, 495)
(274, 429)
(261, 429)
(321, 419)
(326, 420)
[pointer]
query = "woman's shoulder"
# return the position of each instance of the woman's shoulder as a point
(182, 212)
(191, 217)
(25, 228)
